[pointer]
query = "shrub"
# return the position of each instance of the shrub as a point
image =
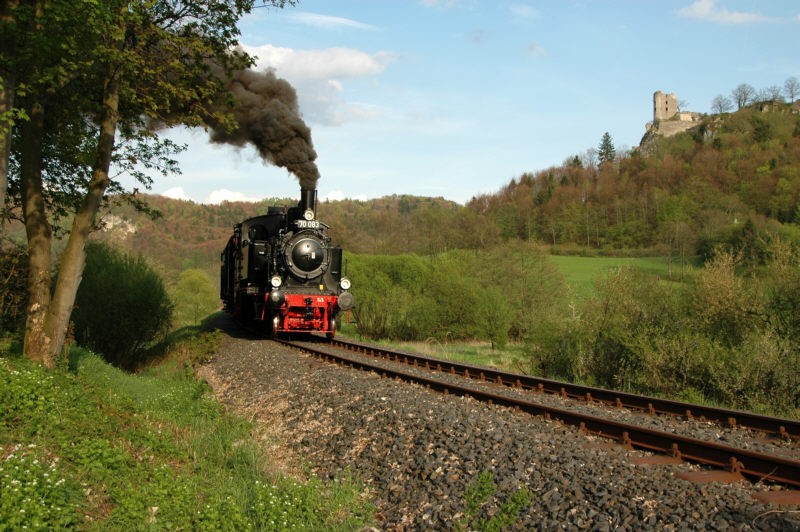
(722, 340)
(725, 307)
(553, 345)
(493, 294)
(631, 309)
(194, 297)
(121, 307)
(782, 290)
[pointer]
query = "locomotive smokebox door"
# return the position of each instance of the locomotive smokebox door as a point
(307, 255)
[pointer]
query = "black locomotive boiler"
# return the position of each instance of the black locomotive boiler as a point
(281, 271)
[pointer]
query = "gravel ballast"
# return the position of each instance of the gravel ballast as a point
(417, 452)
(738, 437)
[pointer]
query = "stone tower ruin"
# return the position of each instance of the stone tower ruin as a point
(668, 120)
(664, 105)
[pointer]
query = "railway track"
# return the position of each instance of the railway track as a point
(736, 461)
(776, 426)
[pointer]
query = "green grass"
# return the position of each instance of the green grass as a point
(581, 272)
(94, 448)
(511, 358)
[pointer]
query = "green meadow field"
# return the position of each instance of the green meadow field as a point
(580, 272)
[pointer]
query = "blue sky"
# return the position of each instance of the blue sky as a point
(454, 98)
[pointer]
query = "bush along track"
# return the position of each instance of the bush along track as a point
(91, 447)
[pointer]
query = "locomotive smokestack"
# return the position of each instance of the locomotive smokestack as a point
(308, 199)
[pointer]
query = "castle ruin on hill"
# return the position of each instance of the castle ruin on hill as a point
(668, 119)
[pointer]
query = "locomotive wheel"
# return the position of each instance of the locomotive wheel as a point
(331, 329)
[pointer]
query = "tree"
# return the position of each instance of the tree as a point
(496, 315)
(720, 104)
(743, 95)
(573, 162)
(679, 238)
(791, 88)
(194, 297)
(81, 66)
(772, 93)
(606, 152)
(589, 158)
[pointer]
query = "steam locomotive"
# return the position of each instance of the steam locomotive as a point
(280, 270)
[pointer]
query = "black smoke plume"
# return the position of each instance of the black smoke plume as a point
(268, 117)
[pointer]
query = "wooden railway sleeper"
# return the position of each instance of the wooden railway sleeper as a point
(734, 466)
(675, 452)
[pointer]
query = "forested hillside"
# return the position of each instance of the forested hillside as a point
(735, 179)
(682, 193)
(190, 235)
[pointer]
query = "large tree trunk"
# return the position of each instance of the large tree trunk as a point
(73, 258)
(40, 236)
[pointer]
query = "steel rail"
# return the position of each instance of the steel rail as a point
(753, 464)
(782, 427)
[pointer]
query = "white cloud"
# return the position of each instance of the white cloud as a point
(338, 195)
(318, 77)
(175, 193)
(446, 4)
(334, 195)
(218, 196)
(707, 10)
(317, 65)
(329, 22)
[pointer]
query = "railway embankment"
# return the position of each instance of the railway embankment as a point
(429, 461)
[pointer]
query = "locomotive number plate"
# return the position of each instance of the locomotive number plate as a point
(306, 224)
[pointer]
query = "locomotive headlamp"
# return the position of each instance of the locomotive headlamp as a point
(275, 281)
(345, 283)
(308, 215)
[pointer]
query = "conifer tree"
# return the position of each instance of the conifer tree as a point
(606, 152)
